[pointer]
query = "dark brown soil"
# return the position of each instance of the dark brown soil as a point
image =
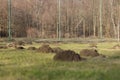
(32, 48)
(89, 52)
(57, 50)
(45, 49)
(67, 55)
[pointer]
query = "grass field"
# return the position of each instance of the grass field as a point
(32, 65)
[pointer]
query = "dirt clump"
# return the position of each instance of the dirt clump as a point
(45, 49)
(89, 53)
(67, 55)
(32, 48)
(57, 50)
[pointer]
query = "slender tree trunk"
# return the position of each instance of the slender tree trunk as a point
(59, 21)
(113, 22)
(118, 31)
(94, 19)
(118, 24)
(101, 19)
(9, 19)
(94, 26)
(84, 31)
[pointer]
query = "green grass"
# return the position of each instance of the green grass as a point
(32, 65)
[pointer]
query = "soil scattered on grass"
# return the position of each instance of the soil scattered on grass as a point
(57, 50)
(20, 43)
(117, 46)
(32, 48)
(45, 49)
(15, 43)
(3, 47)
(67, 55)
(10, 45)
(93, 45)
(89, 52)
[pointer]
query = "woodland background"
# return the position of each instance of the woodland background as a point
(79, 18)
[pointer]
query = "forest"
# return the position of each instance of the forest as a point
(61, 18)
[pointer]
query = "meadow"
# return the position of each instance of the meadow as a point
(33, 65)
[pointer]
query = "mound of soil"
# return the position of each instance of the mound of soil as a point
(67, 55)
(116, 46)
(89, 52)
(45, 49)
(57, 50)
(31, 48)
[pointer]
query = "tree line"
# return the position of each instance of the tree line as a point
(78, 18)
